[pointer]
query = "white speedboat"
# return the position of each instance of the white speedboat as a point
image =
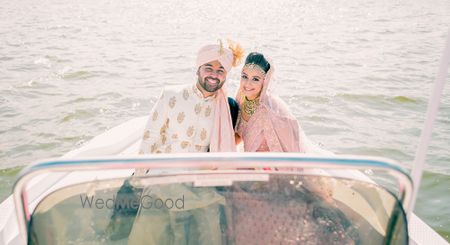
(224, 199)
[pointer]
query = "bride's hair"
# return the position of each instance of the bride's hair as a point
(258, 59)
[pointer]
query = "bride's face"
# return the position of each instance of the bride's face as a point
(252, 80)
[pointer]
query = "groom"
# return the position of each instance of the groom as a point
(196, 117)
(190, 118)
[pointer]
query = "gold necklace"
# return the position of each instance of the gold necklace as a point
(250, 106)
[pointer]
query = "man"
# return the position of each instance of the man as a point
(195, 117)
(190, 118)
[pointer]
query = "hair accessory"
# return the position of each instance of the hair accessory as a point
(254, 66)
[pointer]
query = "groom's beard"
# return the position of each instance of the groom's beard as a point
(208, 86)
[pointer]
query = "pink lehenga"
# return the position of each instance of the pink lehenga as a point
(272, 127)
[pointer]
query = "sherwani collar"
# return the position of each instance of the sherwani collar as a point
(199, 94)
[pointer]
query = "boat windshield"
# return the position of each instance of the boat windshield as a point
(283, 204)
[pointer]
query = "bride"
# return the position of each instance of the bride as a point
(265, 123)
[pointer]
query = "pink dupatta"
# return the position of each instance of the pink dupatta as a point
(273, 121)
(222, 136)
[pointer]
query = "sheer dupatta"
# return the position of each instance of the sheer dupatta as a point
(222, 137)
(273, 121)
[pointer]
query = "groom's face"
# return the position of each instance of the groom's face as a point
(211, 77)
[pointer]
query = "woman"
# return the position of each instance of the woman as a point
(264, 122)
(290, 215)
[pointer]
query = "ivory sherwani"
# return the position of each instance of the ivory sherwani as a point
(180, 121)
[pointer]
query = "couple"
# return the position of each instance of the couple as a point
(200, 118)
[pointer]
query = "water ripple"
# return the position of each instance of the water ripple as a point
(77, 75)
(79, 114)
(356, 75)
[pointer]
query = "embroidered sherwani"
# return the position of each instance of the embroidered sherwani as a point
(180, 121)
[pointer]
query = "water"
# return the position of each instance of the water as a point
(357, 74)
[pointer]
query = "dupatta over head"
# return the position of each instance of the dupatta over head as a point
(273, 121)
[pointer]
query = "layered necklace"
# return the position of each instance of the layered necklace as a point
(249, 106)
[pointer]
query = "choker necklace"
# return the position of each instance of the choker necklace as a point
(249, 106)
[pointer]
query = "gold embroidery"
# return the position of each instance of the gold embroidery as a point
(172, 101)
(162, 131)
(146, 134)
(175, 136)
(158, 152)
(198, 147)
(221, 51)
(208, 111)
(164, 127)
(197, 91)
(198, 108)
(203, 134)
(180, 117)
(153, 148)
(190, 131)
(184, 144)
(155, 116)
(185, 94)
(168, 149)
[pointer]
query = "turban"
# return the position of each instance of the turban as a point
(215, 52)
(222, 136)
(228, 57)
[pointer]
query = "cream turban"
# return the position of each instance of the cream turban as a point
(222, 136)
(210, 53)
